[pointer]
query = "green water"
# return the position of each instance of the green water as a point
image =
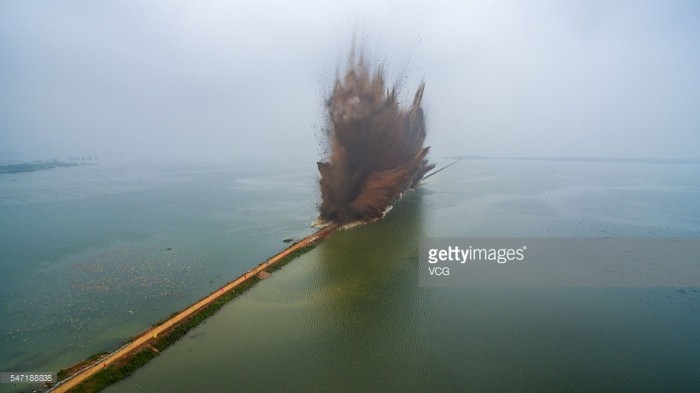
(85, 265)
(349, 316)
(92, 255)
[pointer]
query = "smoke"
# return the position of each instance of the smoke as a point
(375, 147)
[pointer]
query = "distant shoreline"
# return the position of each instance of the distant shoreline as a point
(620, 160)
(35, 166)
(637, 160)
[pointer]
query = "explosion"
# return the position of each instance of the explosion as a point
(375, 148)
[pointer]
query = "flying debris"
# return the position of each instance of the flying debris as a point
(375, 148)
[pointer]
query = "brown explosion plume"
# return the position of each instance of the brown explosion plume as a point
(375, 148)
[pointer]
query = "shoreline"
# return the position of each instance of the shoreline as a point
(36, 166)
(103, 369)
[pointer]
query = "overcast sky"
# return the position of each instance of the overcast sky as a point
(236, 79)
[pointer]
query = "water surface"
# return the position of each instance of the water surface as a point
(94, 254)
(349, 316)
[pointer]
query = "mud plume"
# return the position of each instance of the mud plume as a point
(375, 148)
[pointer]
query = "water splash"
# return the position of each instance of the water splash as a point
(375, 147)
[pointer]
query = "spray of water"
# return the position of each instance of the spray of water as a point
(375, 147)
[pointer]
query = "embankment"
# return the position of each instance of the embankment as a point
(102, 370)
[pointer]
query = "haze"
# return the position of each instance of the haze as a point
(193, 80)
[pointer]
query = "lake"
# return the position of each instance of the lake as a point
(92, 255)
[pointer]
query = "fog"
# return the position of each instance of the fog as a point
(235, 80)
